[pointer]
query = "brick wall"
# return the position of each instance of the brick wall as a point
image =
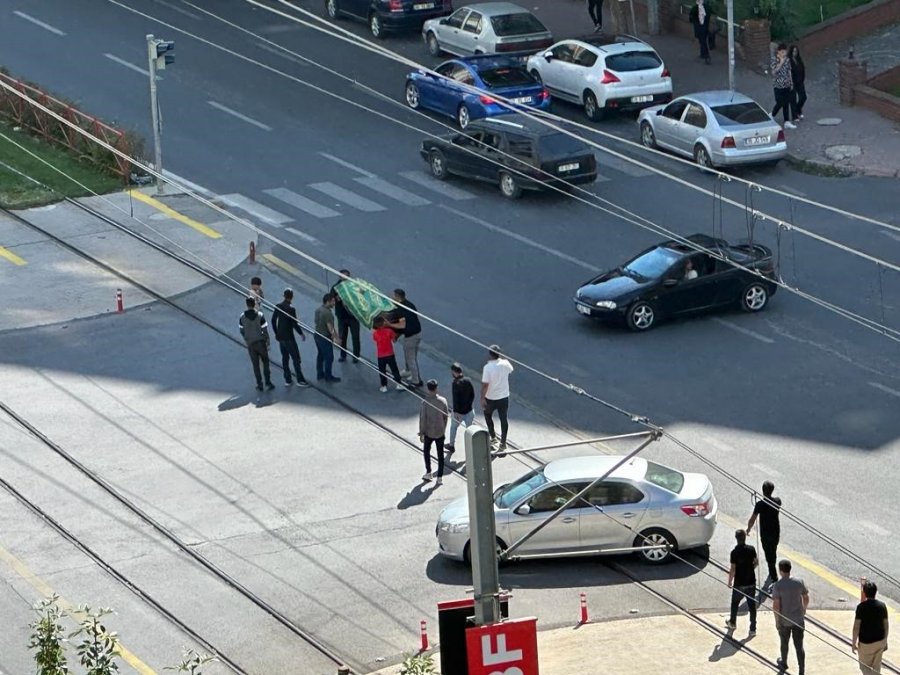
(889, 79)
(757, 43)
(853, 23)
(881, 102)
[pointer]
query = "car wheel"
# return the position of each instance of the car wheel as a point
(591, 108)
(438, 164)
(375, 27)
(434, 47)
(701, 157)
(537, 77)
(412, 95)
(754, 298)
(648, 138)
(467, 552)
(641, 316)
(463, 116)
(332, 9)
(656, 537)
(509, 187)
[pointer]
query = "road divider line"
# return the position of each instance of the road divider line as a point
(127, 64)
(885, 389)
(12, 257)
(877, 529)
(892, 235)
(745, 331)
(347, 165)
(293, 271)
(38, 22)
(37, 583)
(719, 445)
(244, 118)
(282, 54)
(521, 238)
(175, 215)
(180, 10)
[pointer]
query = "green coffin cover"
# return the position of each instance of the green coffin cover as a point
(362, 300)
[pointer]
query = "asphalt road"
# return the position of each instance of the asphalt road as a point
(797, 394)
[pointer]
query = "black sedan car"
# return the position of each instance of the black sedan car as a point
(673, 279)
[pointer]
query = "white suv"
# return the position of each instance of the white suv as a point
(603, 73)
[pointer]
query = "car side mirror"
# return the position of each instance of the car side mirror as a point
(443, 22)
(659, 112)
(524, 510)
(670, 282)
(548, 56)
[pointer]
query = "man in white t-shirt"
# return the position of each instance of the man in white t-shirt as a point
(495, 393)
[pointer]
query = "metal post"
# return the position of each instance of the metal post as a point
(633, 20)
(729, 4)
(154, 111)
(482, 527)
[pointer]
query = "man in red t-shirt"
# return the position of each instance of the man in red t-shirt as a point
(384, 338)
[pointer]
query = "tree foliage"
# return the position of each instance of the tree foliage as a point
(48, 638)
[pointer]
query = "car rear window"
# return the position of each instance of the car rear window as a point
(516, 24)
(554, 145)
(664, 477)
(506, 77)
(740, 113)
(627, 62)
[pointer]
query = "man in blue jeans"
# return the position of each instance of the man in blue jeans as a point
(326, 336)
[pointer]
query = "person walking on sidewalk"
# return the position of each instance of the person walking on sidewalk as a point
(798, 80)
(495, 394)
(700, 17)
(284, 325)
(325, 338)
(256, 292)
(595, 9)
(768, 510)
(870, 630)
(384, 339)
(790, 598)
(432, 427)
(742, 580)
(255, 332)
(405, 320)
(463, 412)
(783, 85)
(348, 325)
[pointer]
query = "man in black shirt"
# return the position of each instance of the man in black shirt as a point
(463, 400)
(284, 325)
(742, 580)
(767, 510)
(347, 323)
(407, 323)
(870, 630)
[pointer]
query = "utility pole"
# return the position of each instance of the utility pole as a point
(729, 4)
(482, 526)
(158, 57)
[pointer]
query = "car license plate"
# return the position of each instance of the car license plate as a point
(757, 140)
(522, 99)
(569, 167)
(641, 99)
(424, 5)
(582, 309)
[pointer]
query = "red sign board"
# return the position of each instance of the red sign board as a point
(507, 648)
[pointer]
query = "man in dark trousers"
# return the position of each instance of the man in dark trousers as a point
(325, 337)
(742, 580)
(432, 427)
(495, 394)
(463, 413)
(255, 332)
(767, 510)
(406, 322)
(790, 598)
(700, 17)
(347, 323)
(595, 9)
(284, 325)
(870, 630)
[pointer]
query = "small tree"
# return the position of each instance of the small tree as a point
(98, 649)
(418, 664)
(191, 662)
(47, 638)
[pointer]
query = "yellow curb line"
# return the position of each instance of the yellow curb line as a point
(12, 257)
(172, 213)
(44, 589)
(290, 269)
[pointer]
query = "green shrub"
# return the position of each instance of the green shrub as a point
(418, 664)
(47, 639)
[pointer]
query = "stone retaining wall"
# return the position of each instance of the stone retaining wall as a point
(853, 23)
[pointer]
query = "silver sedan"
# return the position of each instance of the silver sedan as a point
(486, 28)
(715, 129)
(640, 503)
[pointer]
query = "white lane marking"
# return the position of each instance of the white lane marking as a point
(524, 344)
(193, 187)
(38, 22)
(605, 159)
(886, 390)
(300, 61)
(256, 209)
(877, 529)
(433, 184)
(127, 64)
(347, 197)
(790, 190)
(719, 445)
(307, 237)
(892, 235)
(745, 331)
(392, 191)
(240, 116)
(302, 203)
(576, 370)
(520, 238)
(180, 10)
(767, 470)
(815, 496)
(483, 323)
(347, 165)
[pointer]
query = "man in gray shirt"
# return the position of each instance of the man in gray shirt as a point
(432, 428)
(789, 602)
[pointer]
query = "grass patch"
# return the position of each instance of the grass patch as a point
(798, 14)
(17, 192)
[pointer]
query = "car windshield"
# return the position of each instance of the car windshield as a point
(627, 62)
(740, 113)
(556, 145)
(516, 24)
(506, 77)
(664, 477)
(508, 495)
(653, 263)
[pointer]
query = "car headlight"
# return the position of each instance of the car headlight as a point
(453, 528)
(606, 304)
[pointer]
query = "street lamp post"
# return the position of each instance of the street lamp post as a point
(158, 57)
(729, 5)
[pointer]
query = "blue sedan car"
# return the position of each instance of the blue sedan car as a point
(451, 94)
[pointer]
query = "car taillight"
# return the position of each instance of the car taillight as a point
(544, 95)
(728, 142)
(696, 510)
(486, 100)
(780, 136)
(665, 72)
(609, 78)
(395, 5)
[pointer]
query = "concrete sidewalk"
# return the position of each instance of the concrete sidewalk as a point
(876, 138)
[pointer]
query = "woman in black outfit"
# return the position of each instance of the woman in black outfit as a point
(798, 75)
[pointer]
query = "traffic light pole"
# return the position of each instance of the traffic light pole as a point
(729, 4)
(154, 111)
(482, 526)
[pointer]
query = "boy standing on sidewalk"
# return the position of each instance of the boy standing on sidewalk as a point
(463, 401)
(384, 339)
(432, 426)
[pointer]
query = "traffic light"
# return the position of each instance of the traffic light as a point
(165, 53)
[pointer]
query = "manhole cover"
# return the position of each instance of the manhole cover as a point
(838, 152)
(829, 121)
